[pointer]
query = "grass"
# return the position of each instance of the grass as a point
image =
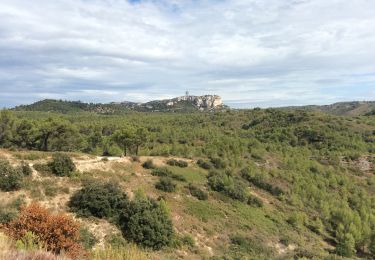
(127, 252)
(203, 210)
(192, 175)
(31, 155)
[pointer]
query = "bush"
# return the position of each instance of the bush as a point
(10, 178)
(148, 164)
(10, 210)
(59, 233)
(178, 163)
(62, 164)
(204, 164)
(218, 163)
(26, 169)
(188, 240)
(87, 239)
(197, 192)
(98, 199)
(43, 169)
(226, 184)
(260, 181)
(161, 172)
(165, 184)
(164, 172)
(254, 201)
(146, 222)
(135, 159)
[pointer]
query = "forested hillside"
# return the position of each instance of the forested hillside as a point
(354, 108)
(246, 184)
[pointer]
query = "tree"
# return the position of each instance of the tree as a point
(25, 134)
(147, 222)
(6, 125)
(48, 129)
(139, 139)
(124, 138)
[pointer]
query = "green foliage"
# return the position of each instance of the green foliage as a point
(259, 180)
(311, 161)
(165, 184)
(26, 169)
(346, 246)
(242, 246)
(10, 177)
(218, 163)
(9, 211)
(204, 164)
(164, 172)
(178, 163)
(197, 192)
(147, 223)
(148, 164)
(188, 240)
(86, 238)
(226, 184)
(62, 165)
(98, 199)
(255, 201)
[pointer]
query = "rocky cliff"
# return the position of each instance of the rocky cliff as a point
(206, 102)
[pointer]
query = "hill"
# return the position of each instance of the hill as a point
(353, 108)
(248, 184)
(179, 104)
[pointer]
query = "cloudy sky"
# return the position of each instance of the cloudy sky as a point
(251, 52)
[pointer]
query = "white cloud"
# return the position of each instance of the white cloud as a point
(272, 52)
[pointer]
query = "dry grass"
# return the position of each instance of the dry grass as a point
(128, 252)
(8, 250)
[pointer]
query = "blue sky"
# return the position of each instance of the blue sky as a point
(251, 52)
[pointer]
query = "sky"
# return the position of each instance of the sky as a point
(253, 53)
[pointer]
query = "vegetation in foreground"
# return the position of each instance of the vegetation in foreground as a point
(258, 184)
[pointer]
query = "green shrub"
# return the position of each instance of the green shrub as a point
(43, 169)
(218, 163)
(148, 164)
(26, 169)
(62, 164)
(259, 180)
(164, 172)
(197, 192)
(226, 184)
(161, 172)
(10, 178)
(178, 163)
(9, 211)
(147, 222)
(165, 184)
(254, 201)
(86, 238)
(98, 199)
(188, 240)
(204, 164)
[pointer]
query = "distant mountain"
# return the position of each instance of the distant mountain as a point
(178, 104)
(353, 108)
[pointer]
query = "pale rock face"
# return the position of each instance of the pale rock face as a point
(202, 102)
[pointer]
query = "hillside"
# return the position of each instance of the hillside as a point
(179, 104)
(251, 184)
(354, 108)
